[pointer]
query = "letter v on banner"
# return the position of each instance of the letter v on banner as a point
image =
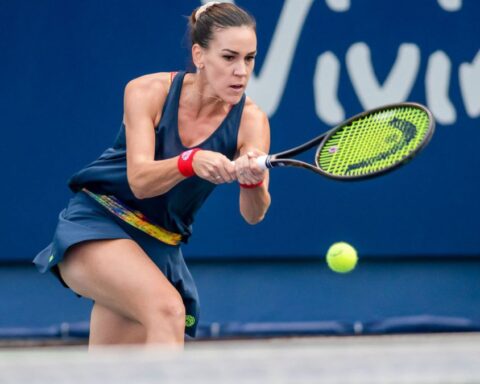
(267, 88)
(398, 84)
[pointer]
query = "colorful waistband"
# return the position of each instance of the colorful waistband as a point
(135, 218)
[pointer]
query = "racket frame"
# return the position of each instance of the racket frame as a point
(283, 158)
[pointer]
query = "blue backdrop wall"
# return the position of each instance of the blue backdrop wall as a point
(64, 66)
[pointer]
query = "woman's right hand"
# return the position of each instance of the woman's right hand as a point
(214, 167)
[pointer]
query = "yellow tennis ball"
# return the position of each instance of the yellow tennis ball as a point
(342, 257)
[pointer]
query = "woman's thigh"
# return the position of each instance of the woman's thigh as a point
(118, 274)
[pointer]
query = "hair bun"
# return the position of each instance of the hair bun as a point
(204, 7)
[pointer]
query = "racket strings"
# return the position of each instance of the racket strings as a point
(374, 142)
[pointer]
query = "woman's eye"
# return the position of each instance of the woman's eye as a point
(228, 58)
(250, 58)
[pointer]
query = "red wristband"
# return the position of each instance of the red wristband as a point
(185, 162)
(250, 186)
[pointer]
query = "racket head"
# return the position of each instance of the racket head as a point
(375, 142)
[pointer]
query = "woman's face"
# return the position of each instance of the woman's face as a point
(229, 60)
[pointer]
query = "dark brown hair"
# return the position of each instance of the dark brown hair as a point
(217, 16)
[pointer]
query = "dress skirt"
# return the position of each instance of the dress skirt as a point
(84, 219)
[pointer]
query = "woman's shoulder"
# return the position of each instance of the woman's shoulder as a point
(151, 83)
(150, 90)
(252, 112)
(147, 94)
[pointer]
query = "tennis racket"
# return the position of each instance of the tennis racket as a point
(367, 145)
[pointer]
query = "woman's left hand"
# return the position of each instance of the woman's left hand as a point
(247, 170)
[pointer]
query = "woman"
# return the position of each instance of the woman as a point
(117, 242)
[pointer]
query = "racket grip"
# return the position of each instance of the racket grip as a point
(262, 161)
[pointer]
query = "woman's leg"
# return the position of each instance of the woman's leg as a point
(108, 327)
(120, 277)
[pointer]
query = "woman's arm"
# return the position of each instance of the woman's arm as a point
(147, 177)
(143, 103)
(253, 141)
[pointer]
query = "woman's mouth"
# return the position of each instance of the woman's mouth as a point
(237, 87)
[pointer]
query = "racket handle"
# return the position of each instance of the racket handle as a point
(262, 161)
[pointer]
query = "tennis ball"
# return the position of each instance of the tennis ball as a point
(342, 257)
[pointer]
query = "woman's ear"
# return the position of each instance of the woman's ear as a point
(197, 56)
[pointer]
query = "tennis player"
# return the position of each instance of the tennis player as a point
(118, 240)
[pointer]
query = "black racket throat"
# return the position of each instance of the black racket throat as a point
(274, 162)
(301, 148)
(284, 158)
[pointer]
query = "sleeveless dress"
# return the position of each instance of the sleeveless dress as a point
(104, 207)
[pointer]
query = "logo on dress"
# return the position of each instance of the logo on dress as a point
(189, 320)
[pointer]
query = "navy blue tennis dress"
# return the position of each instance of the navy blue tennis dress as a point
(104, 206)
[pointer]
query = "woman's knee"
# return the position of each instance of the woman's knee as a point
(167, 309)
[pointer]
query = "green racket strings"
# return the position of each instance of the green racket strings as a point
(374, 142)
